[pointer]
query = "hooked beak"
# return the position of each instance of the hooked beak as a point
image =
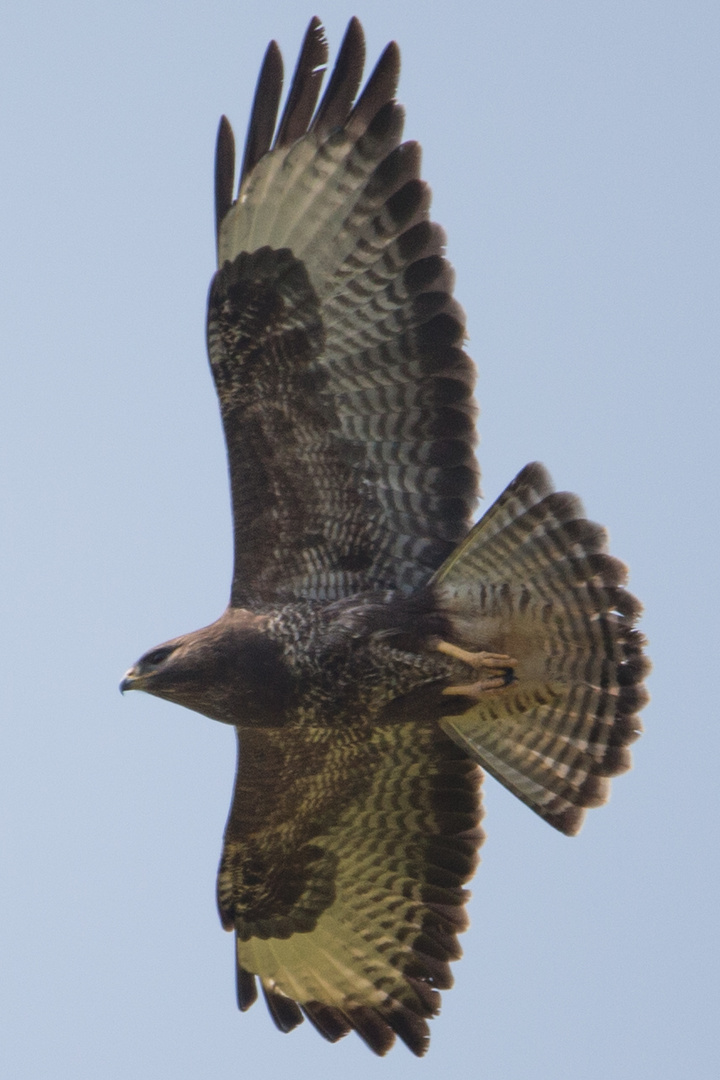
(130, 681)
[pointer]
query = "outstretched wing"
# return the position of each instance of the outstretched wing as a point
(335, 343)
(345, 855)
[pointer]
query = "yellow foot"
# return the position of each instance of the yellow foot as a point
(499, 667)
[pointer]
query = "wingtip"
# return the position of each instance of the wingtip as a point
(344, 80)
(224, 171)
(263, 115)
(305, 87)
(314, 25)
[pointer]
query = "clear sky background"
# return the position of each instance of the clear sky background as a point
(573, 152)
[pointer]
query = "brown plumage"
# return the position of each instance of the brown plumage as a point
(376, 650)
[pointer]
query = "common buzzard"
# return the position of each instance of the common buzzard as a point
(377, 650)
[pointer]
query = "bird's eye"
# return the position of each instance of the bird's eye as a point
(152, 659)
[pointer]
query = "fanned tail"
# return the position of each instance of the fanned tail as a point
(534, 581)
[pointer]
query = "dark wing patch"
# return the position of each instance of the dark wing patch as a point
(346, 397)
(265, 334)
(342, 874)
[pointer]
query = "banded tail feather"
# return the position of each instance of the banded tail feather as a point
(533, 580)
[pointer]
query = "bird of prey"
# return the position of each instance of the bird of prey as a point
(378, 651)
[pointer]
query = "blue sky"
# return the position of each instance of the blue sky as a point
(574, 157)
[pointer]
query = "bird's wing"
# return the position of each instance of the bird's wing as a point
(342, 872)
(335, 344)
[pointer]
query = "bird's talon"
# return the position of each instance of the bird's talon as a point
(500, 664)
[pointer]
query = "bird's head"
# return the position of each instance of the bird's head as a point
(232, 671)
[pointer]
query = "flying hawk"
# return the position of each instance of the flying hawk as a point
(377, 650)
